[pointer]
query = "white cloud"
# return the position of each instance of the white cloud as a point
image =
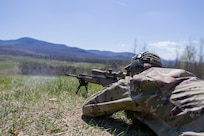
(163, 44)
(170, 50)
(167, 49)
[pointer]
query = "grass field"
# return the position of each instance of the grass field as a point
(40, 105)
(47, 105)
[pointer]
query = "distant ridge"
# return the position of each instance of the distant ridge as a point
(26, 46)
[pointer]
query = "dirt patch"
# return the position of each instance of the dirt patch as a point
(76, 126)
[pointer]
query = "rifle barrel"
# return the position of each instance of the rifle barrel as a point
(108, 73)
(72, 75)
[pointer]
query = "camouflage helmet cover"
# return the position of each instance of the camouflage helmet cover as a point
(138, 61)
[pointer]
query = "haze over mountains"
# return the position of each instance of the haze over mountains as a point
(35, 48)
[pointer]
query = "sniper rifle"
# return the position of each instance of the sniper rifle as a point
(100, 77)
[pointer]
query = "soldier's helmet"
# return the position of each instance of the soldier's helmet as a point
(142, 60)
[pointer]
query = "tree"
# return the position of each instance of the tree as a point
(135, 46)
(144, 47)
(201, 55)
(177, 61)
(188, 57)
(200, 65)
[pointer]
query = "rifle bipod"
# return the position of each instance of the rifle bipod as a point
(82, 83)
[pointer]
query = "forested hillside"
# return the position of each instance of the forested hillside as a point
(44, 50)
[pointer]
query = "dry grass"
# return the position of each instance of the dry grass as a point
(35, 105)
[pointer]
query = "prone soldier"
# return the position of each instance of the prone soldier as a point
(169, 101)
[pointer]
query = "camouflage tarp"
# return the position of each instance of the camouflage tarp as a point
(169, 101)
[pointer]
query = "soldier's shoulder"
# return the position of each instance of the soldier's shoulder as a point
(165, 72)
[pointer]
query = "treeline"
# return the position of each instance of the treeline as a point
(38, 68)
(191, 59)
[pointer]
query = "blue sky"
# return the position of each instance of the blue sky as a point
(114, 25)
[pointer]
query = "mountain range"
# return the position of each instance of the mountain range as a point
(36, 48)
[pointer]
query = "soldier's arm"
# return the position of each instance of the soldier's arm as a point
(111, 99)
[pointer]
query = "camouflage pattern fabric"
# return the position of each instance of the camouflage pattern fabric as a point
(169, 101)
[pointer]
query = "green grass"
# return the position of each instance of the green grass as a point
(9, 67)
(48, 105)
(36, 104)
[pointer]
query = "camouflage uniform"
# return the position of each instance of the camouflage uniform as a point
(169, 101)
